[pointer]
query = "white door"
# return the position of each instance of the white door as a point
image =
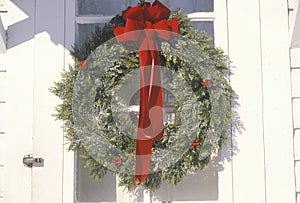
(40, 33)
(39, 38)
(210, 185)
(34, 59)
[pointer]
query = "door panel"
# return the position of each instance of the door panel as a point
(19, 64)
(48, 135)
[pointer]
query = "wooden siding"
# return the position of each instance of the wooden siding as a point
(295, 79)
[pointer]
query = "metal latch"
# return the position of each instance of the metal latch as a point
(30, 161)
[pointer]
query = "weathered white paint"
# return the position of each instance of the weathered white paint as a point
(245, 54)
(2, 38)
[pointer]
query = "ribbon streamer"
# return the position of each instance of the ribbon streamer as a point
(152, 20)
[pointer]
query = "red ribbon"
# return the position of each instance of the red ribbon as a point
(152, 21)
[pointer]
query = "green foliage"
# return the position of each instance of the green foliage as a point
(195, 158)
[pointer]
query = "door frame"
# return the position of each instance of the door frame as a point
(219, 17)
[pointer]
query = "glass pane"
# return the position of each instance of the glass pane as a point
(113, 7)
(85, 30)
(207, 26)
(101, 7)
(190, 6)
(201, 186)
(89, 190)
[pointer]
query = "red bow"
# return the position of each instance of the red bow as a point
(152, 20)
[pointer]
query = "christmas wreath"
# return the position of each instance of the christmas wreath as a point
(99, 95)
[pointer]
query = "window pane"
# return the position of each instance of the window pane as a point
(113, 7)
(101, 7)
(85, 30)
(190, 6)
(207, 26)
(89, 190)
(198, 187)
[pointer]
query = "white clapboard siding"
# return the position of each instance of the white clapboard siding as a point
(296, 109)
(2, 149)
(295, 75)
(297, 170)
(2, 117)
(2, 95)
(295, 58)
(295, 79)
(297, 144)
(2, 38)
(2, 85)
(2, 182)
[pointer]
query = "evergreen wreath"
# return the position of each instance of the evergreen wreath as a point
(197, 156)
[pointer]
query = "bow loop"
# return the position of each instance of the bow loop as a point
(162, 11)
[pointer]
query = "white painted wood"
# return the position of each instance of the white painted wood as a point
(295, 27)
(93, 19)
(297, 172)
(245, 54)
(297, 144)
(19, 109)
(296, 115)
(204, 16)
(69, 156)
(3, 149)
(295, 77)
(292, 4)
(2, 38)
(2, 181)
(277, 112)
(298, 197)
(225, 184)
(19, 106)
(48, 136)
(295, 58)
(3, 87)
(13, 13)
(3, 121)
